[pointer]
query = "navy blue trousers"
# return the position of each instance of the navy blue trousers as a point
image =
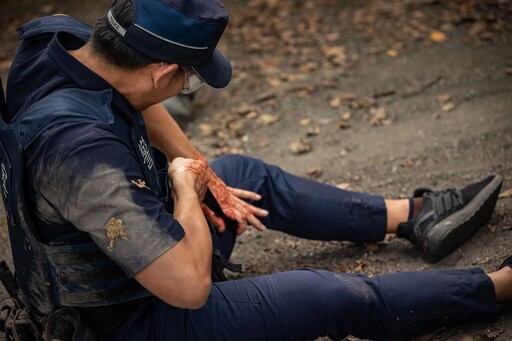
(306, 303)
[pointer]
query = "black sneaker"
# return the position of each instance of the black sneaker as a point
(450, 217)
(506, 262)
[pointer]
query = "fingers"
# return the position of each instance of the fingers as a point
(244, 194)
(257, 211)
(245, 216)
(242, 223)
(255, 222)
(218, 222)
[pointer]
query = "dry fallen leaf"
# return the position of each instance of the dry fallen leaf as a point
(268, 119)
(335, 54)
(438, 37)
(315, 172)
(506, 193)
(379, 117)
(407, 163)
(447, 107)
(274, 81)
(343, 185)
(304, 122)
(363, 103)
(313, 131)
(343, 124)
(392, 53)
(206, 129)
(360, 264)
(300, 147)
(335, 102)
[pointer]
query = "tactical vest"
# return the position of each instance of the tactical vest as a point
(78, 273)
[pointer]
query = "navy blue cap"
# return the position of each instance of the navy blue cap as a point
(183, 32)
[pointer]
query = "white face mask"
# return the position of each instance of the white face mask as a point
(192, 80)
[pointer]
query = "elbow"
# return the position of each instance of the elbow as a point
(193, 294)
(200, 293)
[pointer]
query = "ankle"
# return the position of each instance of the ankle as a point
(418, 205)
(502, 280)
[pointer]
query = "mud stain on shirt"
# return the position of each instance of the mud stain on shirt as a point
(115, 230)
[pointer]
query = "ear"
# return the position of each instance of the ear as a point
(161, 73)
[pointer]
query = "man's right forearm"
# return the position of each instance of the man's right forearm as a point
(182, 276)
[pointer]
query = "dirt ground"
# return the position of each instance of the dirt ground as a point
(376, 96)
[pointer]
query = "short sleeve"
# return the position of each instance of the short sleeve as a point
(90, 178)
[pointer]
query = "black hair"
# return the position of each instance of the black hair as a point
(110, 45)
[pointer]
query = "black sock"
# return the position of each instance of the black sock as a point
(411, 209)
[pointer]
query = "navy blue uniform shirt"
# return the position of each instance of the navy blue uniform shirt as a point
(80, 175)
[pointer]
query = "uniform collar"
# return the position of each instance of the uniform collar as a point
(83, 76)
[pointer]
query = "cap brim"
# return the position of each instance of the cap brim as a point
(217, 71)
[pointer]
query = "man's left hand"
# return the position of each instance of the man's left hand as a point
(233, 207)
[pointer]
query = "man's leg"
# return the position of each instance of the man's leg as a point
(435, 222)
(306, 208)
(305, 304)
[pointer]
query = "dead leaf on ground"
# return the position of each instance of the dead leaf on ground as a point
(300, 147)
(363, 103)
(407, 163)
(343, 125)
(343, 185)
(206, 129)
(342, 98)
(506, 193)
(313, 131)
(335, 102)
(447, 107)
(335, 54)
(268, 119)
(438, 37)
(360, 264)
(315, 172)
(304, 122)
(305, 91)
(392, 53)
(308, 67)
(379, 117)
(274, 81)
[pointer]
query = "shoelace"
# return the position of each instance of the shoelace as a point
(447, 201)
(17, 319)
